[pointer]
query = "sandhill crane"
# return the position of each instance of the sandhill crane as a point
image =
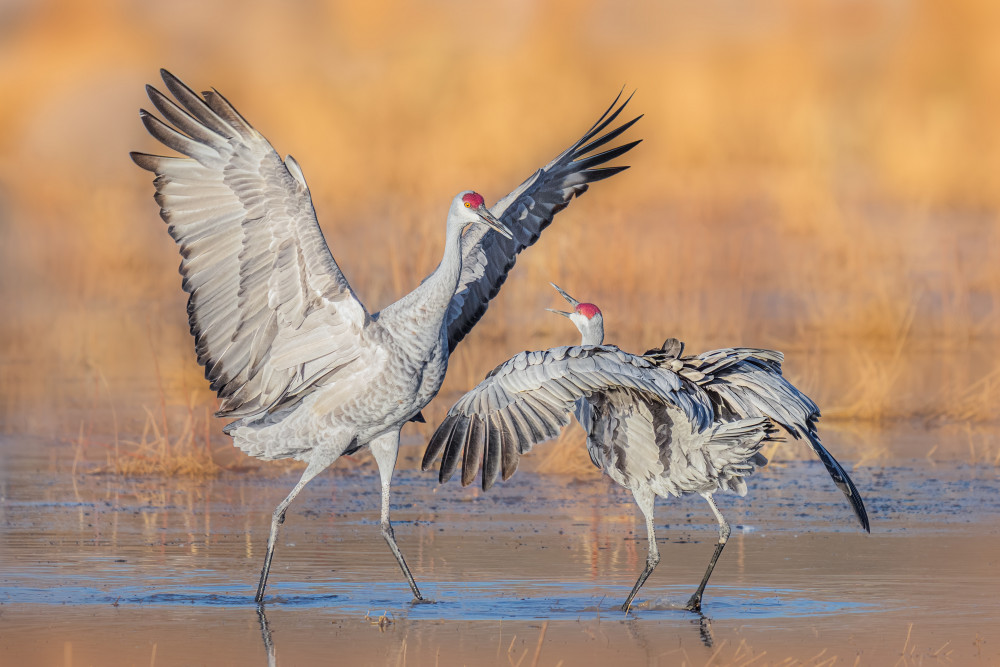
(658, 424)
(300, 366)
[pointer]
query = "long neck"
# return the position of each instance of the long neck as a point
(416, 319)
(592, 333)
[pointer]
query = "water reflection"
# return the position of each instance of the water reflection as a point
(265, 633)
(637, 629)
(642, 635)
(705, 630)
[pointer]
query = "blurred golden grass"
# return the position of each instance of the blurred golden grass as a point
(187, 454)
(819, 177)
(167, 446)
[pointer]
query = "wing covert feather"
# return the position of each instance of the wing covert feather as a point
(527, 400)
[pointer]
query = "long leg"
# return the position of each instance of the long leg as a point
(694, 604)
(384, 449)
(314, 468)
(645, 499)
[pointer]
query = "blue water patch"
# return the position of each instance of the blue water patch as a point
(488, 600)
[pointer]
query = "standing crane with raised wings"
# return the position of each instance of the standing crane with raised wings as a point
(658, 424)
(300, 366)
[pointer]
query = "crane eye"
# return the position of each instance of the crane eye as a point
(468, 205)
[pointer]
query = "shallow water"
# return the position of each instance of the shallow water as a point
(100, 570)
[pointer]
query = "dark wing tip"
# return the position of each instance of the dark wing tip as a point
(437, 443)
(841, 479)
(606, 156)
(144, 160)
(475, 443)
(453, 442)
(859, 508)
(607, 117)
(599, 174)
(169, 78)
(854, 497)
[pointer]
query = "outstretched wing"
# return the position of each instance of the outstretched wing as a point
(526, 401)
(747, 382)
(270, 310)
(487, 257)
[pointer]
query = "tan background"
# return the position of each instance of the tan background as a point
(822, 177)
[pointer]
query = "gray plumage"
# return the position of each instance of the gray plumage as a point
(658, 424)
(299, 364)
(747, 382)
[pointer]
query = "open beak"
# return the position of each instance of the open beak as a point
(573, 302)
(490, 220)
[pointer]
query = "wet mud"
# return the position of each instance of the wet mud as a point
(100, 570)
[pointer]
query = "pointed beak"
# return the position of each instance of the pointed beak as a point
(558, 312)
(490, 220)
(573, 302)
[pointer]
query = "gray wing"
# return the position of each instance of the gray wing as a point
(526, 401)
(487, 257)
(747, 382)
(743, 382)
(269, 308)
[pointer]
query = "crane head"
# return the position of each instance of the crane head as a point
(586, 316)
(470, 207)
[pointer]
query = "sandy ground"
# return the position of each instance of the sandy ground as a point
(97, 570)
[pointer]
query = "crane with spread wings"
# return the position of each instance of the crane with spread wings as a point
(301, 368)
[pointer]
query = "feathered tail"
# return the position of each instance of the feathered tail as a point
(735, 448)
